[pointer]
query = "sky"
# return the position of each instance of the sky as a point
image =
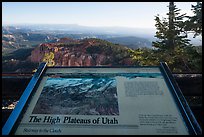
(120, 14)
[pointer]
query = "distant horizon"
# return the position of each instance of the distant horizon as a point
(128, 31)
(89, 14)
(19, 24)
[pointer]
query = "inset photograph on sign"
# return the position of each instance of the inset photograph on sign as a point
(78, 96)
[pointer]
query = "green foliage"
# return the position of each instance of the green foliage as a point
(186, 59)
(183, 59)
(94, 50)
(195, 58)
(172, 45)
(137, 56)
(145, 57)
(194, 23)
(18, 66)
(170, 32)
(115, 53)
(19, 54)
(49, 58)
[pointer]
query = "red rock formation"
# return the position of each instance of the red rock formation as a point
(36, 55)
(128, 61)
(72, 56)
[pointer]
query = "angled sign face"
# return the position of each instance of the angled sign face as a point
(102, 100)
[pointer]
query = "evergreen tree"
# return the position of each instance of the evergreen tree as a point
(170, 32)
(172, 39)
(194, 23)
(171, 46)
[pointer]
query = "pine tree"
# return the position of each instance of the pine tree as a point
(170, 33)
(171, 46)
(172, 39)
(194, 23)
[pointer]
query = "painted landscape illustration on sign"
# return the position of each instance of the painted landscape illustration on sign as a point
(78, 96)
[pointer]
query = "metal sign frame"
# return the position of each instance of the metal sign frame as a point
(16, 115)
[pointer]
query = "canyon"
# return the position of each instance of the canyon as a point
(86, 52)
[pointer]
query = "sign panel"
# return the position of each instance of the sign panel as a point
(121, 101)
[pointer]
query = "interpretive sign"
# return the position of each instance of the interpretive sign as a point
(103, 100)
